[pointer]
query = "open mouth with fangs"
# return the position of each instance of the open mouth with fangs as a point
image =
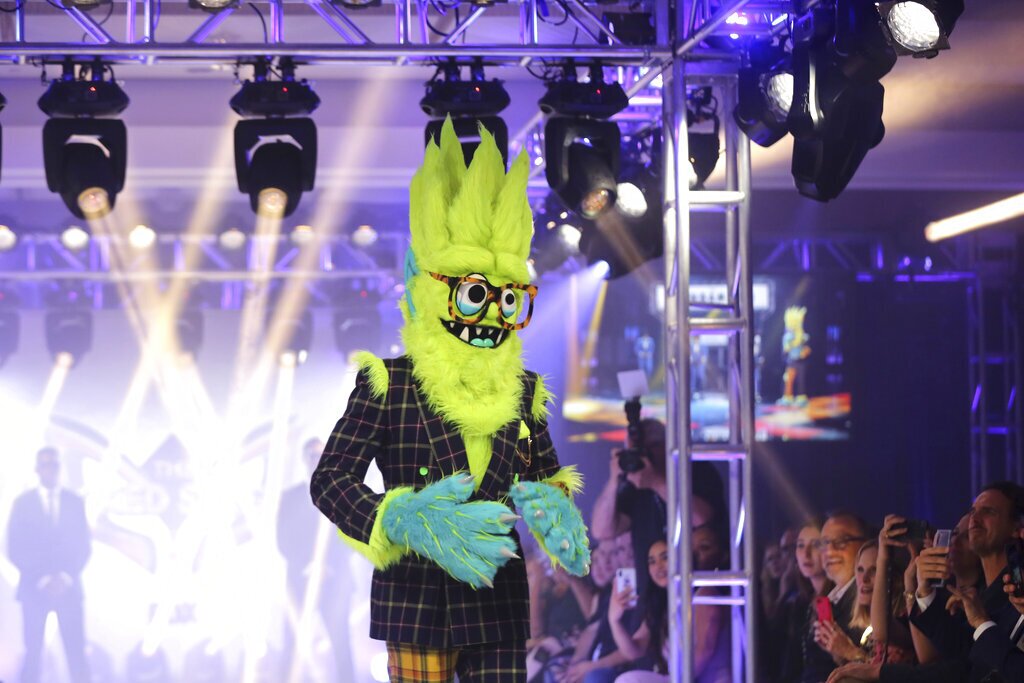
(480, 336)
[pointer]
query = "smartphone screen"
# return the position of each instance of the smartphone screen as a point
(823, 607)
(625, 577)
(942, 538)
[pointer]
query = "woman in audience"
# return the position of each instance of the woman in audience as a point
(799, 610)
(649, 645)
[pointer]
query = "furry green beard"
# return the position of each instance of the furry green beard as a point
(478, 389)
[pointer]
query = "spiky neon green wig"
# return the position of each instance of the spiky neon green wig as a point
(474, 219)
(466, 220)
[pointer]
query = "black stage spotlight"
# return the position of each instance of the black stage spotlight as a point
(84, 4)
(582, 163)
(212, 5)
(581, 149)
(69, 331)
(704, 147)
(471, 104)
(275, 156)
(836, 117)
(84, 156)
(356, 4)
(919, 27)
(765, 94)
(633, 232)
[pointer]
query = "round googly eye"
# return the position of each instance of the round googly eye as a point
(471, 298)
(509, 303)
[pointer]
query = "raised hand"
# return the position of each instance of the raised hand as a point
(470, 541)
(557, 522)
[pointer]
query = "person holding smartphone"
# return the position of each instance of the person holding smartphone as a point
(968, 626)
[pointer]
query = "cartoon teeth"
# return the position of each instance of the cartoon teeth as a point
(480, 336)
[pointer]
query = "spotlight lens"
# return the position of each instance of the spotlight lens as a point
(596, 202)
(142, 237)
(64, 360)
(214, 4)
(630, 200)
(570, 236)
(778, 90)
(364, 236)
(94, 202)
(303, 234)
(272, 202)
(74, 238)
(7, 238)
(914, 26)
(232, 238)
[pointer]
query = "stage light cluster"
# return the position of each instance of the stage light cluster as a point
(820, 82)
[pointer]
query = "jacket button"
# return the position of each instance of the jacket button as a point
(423, 471)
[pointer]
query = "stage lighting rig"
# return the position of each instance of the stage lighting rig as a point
(582, 147)
(85, 156)
(275, 146)
(357, 321)
(836, 115)
(765, 93)
(919, 27)
(470, 104)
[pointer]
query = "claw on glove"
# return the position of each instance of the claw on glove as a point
(556, 523)
(469, 540)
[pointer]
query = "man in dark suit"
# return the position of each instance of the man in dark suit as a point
(301, 532)
(48, 540)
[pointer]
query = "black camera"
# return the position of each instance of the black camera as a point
(917, 529)
(631, 459)
(1015, 564)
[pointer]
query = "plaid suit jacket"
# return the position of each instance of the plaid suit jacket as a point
(415, 601)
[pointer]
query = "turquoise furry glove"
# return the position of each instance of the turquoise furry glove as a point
(470, 541)
(556, 522)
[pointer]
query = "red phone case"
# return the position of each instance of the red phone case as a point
(824, 609)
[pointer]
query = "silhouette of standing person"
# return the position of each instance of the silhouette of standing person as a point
(48, 540)
(300, 527)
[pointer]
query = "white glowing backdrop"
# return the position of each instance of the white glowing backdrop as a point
(181, 477)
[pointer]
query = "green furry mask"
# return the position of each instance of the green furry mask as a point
(466, 221)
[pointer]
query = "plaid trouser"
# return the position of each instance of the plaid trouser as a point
(489, 663)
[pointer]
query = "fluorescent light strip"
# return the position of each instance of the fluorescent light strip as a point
(997, 212)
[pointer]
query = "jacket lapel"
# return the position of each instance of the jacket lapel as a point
(498, 478)
(445, 442)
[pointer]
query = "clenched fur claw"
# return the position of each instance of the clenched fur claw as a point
(469, 540)
(556, 522)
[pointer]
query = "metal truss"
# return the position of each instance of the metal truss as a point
(995, 372)
(682, 321)
(399, 33)
(40, 265)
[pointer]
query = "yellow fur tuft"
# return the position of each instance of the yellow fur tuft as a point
(541, 398)
(568, 479)
(375, 372)
(380, 550)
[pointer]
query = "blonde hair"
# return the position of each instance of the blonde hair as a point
(862, 614)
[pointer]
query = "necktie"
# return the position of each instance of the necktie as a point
(52, 499)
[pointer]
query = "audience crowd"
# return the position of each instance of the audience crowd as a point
(841, 600)
(844, 603)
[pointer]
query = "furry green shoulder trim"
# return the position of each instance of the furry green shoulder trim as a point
(541, 398)
(375, 371)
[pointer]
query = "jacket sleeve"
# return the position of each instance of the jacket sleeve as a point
(337, 486)
(949, 634)
(995, 651)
